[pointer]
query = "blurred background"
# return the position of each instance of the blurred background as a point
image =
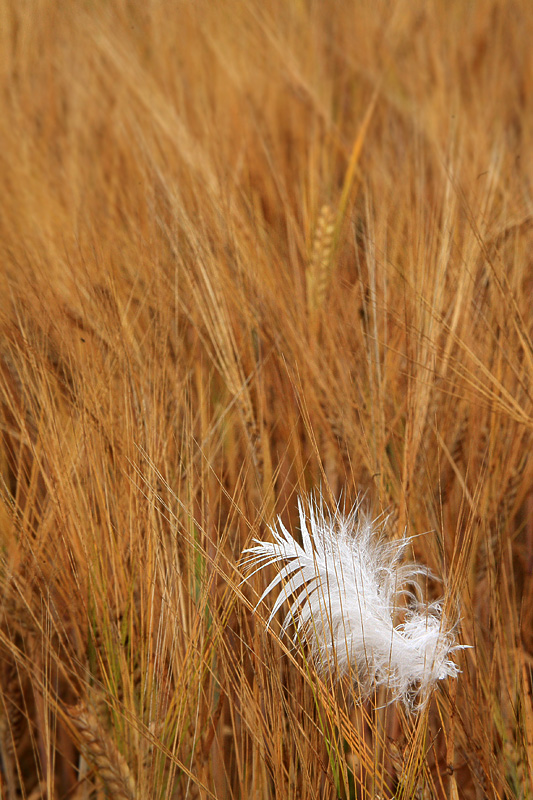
(249, 250)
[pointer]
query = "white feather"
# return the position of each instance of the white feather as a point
(344, 584)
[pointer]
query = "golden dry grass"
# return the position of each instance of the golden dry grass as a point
(248, 249)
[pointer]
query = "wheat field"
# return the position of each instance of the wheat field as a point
(251, 250)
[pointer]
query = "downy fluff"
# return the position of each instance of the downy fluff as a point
(344, 584)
